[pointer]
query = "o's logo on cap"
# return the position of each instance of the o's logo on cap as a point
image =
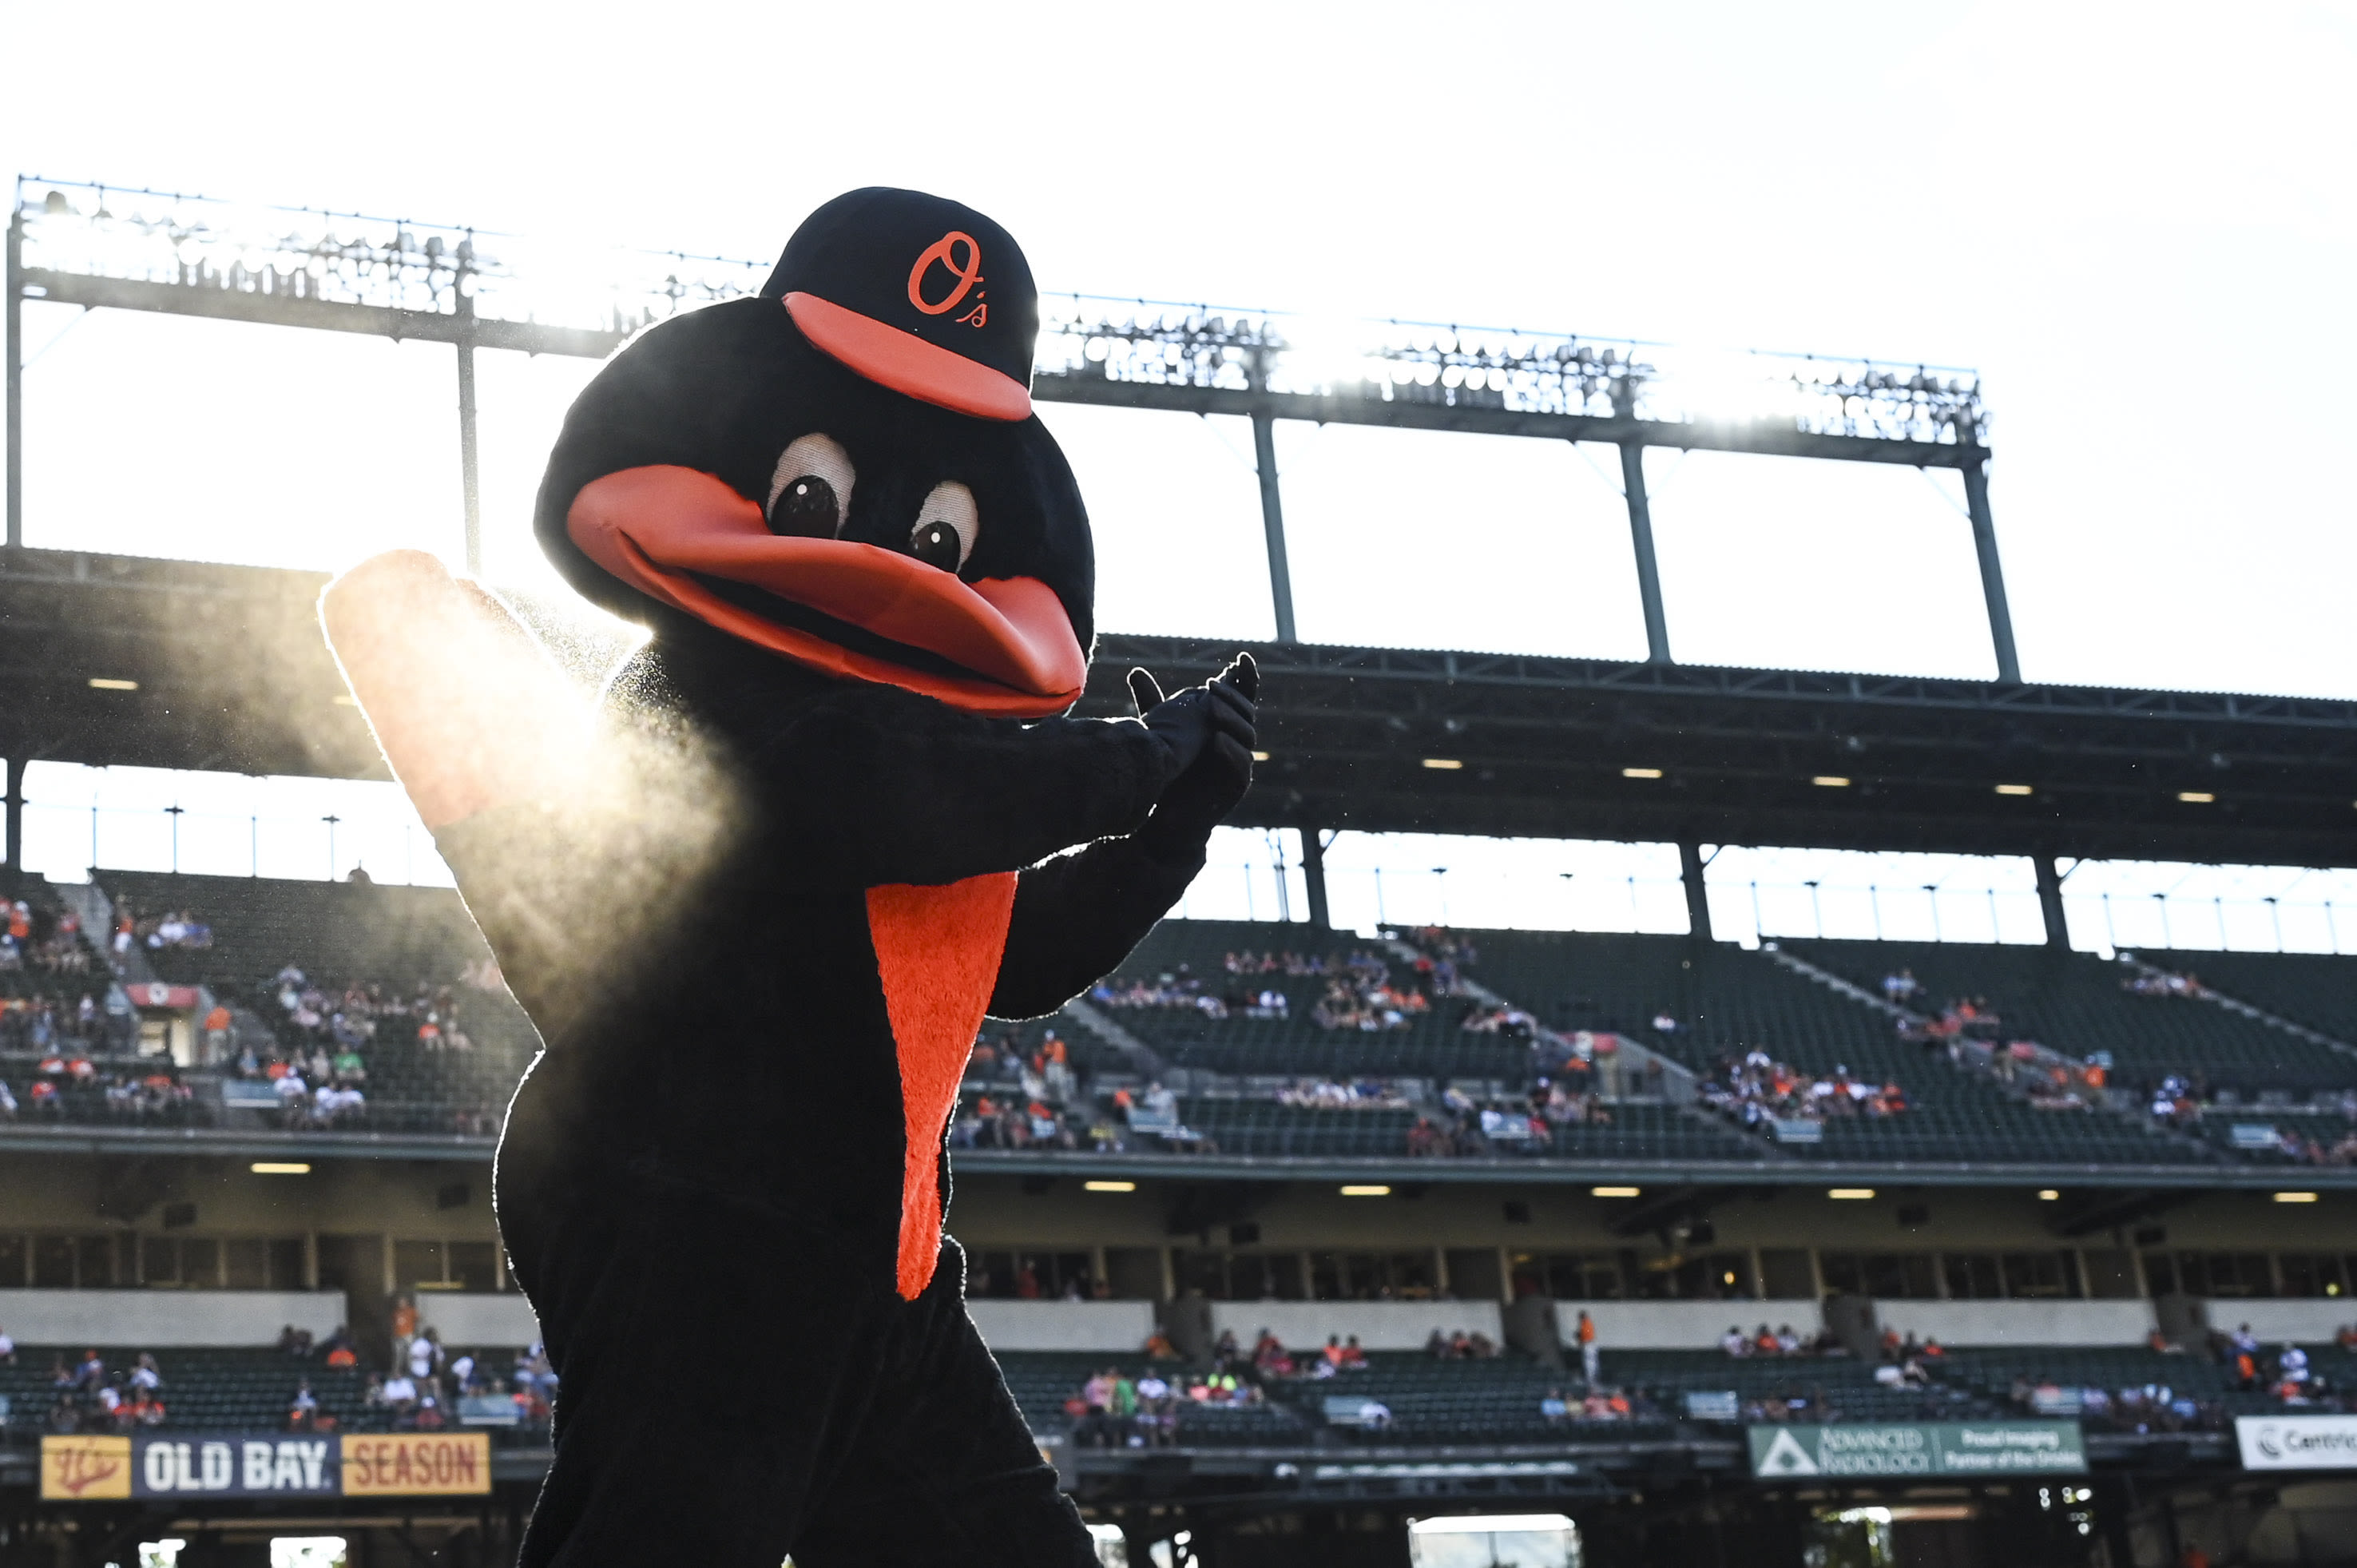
(968, 272)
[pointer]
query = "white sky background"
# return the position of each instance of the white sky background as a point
(2138, 221)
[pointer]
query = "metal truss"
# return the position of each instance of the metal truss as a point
(109, 247)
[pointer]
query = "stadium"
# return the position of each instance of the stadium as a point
(2000, 1223)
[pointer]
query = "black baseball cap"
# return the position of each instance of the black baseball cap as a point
(922, 294)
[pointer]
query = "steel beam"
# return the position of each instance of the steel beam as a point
(1313, 875)
(1272, 521)
(469, 487)
(1690, 872)
(16, 327)
(1398, 412)
(1641, 536)
(2050, 901)
(1404, 414)
(2000, 616)
(318, 314)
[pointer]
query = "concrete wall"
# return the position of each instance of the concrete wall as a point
(2308, 1322)
(461, 1318)
(156, 1318)
(1380, 1324)
(2019, 1322)
(1681, 1324)
(1110, 1325)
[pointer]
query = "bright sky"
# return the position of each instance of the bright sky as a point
(2138, 224)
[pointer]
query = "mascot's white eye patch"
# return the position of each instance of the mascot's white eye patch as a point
(810, 490)
(947, 526)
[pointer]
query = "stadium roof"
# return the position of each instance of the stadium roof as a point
(201, 666)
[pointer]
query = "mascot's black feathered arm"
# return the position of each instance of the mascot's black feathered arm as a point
(1078, 915)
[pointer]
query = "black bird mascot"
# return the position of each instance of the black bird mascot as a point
(759, 896)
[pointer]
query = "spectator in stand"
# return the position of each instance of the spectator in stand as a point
(1588, 1353)
(303, 1409)
(1734, 1342)
(400, 1398)
(7, 1348)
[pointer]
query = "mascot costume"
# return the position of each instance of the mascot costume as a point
(759, 894)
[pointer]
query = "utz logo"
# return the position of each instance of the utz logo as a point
(77, 1469)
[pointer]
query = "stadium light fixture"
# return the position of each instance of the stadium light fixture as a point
(2295, 1197)
(281, 1167)
(1614, 1191)
(2196, 797)
(1830, 782)
(1367, 1191)
(1856, 1192)
(1445, 764)
(2014, 790)
(108, 684)
(1260, 757)
(2048, 1195)
(1641, 773)
(1109, 1186)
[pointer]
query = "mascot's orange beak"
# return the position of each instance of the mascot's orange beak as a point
(664, 529)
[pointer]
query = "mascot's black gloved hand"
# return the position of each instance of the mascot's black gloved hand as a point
(1211, 731)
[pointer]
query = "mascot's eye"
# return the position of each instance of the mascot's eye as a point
(946, 527)
(810, 490)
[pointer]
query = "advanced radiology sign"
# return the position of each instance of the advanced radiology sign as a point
(1918, 1448)
(2297, 1442)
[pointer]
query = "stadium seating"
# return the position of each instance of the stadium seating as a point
(2074, 1003)
(1432, 1046)
(1814, 1388)
(403, 936)
(1725, 1002)
(204, 1389)
(2317, 990)
(1042, 1380)
(1442, 1403)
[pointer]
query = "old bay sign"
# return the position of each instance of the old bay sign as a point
(249, 1464)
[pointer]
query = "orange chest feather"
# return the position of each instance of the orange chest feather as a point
(937, 952)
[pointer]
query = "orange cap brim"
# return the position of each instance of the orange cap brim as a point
(906, 364)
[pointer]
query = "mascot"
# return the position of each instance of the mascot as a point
(759, 896)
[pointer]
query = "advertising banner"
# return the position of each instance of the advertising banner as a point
(2297, 1442)
(417, 1465)
(265, 1465)
(85, 1469)
(1919, 1448)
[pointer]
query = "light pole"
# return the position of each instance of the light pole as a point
(1931, 894)
(2276, 915)
(331, 820)
(174, 811)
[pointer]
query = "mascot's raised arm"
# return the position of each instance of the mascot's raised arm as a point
(759, 900)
